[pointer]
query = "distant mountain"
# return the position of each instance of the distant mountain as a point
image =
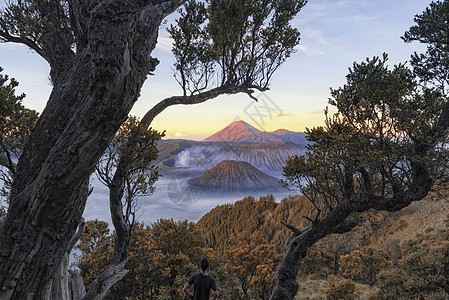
(291, 136)
(262, 137)
(242, 132)
(203, 155)
(235, 176)
(236, 131)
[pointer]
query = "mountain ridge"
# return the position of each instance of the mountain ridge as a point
(267, 157)
(241, 131)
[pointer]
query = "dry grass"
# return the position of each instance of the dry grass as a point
(316, 289)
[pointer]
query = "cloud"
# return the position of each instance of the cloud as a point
(283, 115)
(317, 112)
(164, 41)
(202, 157)
(180, 134)
(309, 51)
(317, 36)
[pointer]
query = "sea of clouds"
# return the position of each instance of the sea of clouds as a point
(173, 199)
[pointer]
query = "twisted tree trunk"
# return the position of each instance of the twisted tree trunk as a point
(339, 220)
(93, 92)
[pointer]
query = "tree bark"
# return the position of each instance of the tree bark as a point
(105, 281)
(78, 290)
(92, 95)
(60, 288)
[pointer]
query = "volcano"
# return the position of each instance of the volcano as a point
(236, 131)
(235, 176)
(242, 132)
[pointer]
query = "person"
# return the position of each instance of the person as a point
(202, 284)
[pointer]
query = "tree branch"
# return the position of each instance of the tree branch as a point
(7, 37)
(6, 160)
(193, 99)
(79, 21)
(101, 285)
(296, 230)
(77, 235)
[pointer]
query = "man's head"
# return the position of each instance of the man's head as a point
(205, 264)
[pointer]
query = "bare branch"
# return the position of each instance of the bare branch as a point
(77, 235)
(309, 219)
(193, 99)
(293, 228)
(105, 281)
(7, 37)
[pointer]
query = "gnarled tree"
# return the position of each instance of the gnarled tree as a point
(99, 52)
(386, 147)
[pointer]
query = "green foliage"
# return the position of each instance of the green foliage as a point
(16, 123)
(38, 24)
(237, 42)
(23, 18)
(134, 144)
(372, 147)
(432, 29)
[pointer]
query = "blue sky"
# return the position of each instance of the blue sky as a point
(335, 33)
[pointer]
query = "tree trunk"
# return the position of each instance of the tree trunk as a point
(60, 288)
(88, 103)
(284, 282)
(101, 285)
(338, 220)
(78, 290)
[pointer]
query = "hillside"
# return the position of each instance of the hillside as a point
(254, 215)
(235, 176)
(390, 232)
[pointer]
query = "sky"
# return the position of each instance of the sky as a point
(334, 35)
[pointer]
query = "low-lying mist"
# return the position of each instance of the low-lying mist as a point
(173, 198)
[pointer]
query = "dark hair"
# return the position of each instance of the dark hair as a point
(205, 264)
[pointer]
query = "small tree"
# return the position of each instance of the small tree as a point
(16, 123)
(135, 145)
(341, 290)
(212, 60)
(161, 258)
(364, 264)
(251, 260)
(318, 261)
(385, 147)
